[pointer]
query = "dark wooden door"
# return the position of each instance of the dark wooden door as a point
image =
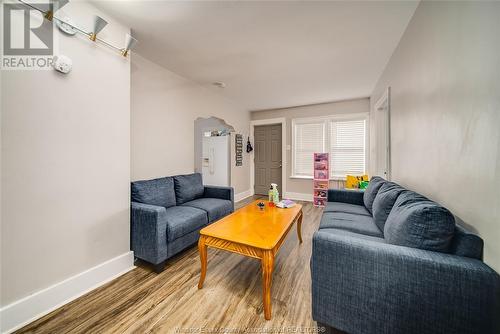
(267, 158)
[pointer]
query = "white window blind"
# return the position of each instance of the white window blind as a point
(347, 147)
(342, 136)
(308, 139)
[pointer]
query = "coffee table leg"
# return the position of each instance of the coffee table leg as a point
(267, 278)
(299, 227)
(203, 259)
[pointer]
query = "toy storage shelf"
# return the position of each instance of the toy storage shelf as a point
(320, 179)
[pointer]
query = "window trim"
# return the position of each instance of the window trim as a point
(326, 120)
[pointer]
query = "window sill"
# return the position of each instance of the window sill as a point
(303, 177)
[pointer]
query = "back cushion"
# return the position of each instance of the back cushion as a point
(466, 243)
(158, 192)
(418, 222)
(384, 201)
(188, 187)
(373, 187)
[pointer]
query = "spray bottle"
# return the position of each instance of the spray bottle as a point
(273, 195)
(271, 203)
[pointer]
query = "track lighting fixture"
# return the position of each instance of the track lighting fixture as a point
(99, 24)
(70, 28)
(130, 42)
(53, 7)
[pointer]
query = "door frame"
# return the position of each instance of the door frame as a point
(270, 121)
(385, 99)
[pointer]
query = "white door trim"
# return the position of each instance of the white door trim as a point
(270, 121)
(385, 99)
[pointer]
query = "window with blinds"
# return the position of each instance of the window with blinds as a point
(347, 147)
(308, 139)
(343, 137)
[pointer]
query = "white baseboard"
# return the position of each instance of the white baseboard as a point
(32, 307)
(242, 195)
(299, 196)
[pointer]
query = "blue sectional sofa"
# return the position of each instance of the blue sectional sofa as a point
(168, 213)
(391, 261)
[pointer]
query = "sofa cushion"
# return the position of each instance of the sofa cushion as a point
(418, 222)
(384, 201)
(373, 187)
(350, 222)
(353, 234)
(215, 208)
(158, 192)
(466, 244)
(182, 220)
(347, 208)
(188, 187)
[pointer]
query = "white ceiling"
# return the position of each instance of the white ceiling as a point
(270, 54)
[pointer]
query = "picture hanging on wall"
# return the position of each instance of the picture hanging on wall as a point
(239, 149)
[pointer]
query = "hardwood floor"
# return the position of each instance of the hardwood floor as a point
(231, 299)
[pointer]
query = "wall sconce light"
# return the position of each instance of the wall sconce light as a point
(99, 24)
(54, 7)
(130, 42)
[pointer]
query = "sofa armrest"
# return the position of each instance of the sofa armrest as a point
(226, 193)
(368, 286)
(149, 232)
(346, 196)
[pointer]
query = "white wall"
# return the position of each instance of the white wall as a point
(445, 109)
(65, 167)
(164, 107)
(298, 185)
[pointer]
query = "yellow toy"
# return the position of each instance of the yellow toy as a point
(352, 181)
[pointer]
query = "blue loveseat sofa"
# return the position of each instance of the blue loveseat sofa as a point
(168, 213)
(391, 261)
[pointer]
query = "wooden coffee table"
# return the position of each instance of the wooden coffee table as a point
(255, 233)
